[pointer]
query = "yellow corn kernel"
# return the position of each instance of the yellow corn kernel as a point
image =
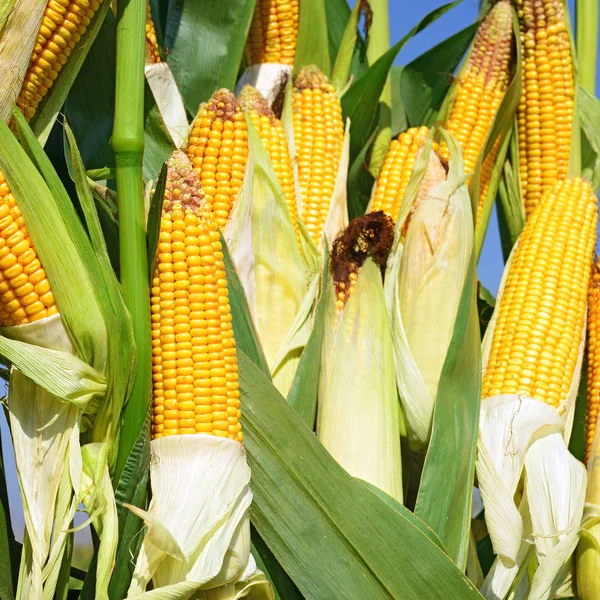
(368, 236)
(593, 355)
(218, 149)
(480, 91)
(319, 138)
(545, 114)
(25, 292)
(194, 368)
(63, 24)
(273, 32)
(541, 315)
(274, 139)
(152, 51)
(397, 170)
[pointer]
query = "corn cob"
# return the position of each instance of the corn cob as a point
(593, 354)
(480, 91)
(273, 137)
(319, 138)
(151, 44)
(63, 24)
(397, 170)
(195, 374)
(545, 114)
(218, 149)
(371, 235)
(536, 340)
(273, 32)
(26, 294)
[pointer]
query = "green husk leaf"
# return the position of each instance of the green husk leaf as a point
(485, 307)
(312, 45)
(209, 34)
(425, 81)
(305, 388)
(52, 103)
(154, 216)
(361, 539)
(360, 182)
(5, 11)
(399, 116)
(338, 13)
(8, 545)
(445, 492)
(63, 375)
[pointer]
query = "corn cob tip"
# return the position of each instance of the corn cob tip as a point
(223, 104)
(251, 99)
(371, 235)
(310, 77)
(182, 185)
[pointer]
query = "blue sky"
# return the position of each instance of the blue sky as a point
(403, 16)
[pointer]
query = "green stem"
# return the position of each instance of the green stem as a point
(586, 14)
(128, 147)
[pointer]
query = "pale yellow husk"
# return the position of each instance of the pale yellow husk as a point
(358, 417)
(197, 525)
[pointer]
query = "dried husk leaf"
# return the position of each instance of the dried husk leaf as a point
(267, 78)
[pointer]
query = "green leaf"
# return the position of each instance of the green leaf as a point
(485, 307)
(246, 338)
(282, 584)
(425, 80)
(445, 492)
(577, 442)
(399, 117)
(360, 182)
(154, 217)
(52, 103)
(312, 46)
(359, 102)
(210, 34)
(131, 489)
(91, 101)
(335, 538)
(304, 392)
(343, 61)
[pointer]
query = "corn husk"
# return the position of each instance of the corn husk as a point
(197, 525)
(17, 39)
(267, 78)
(520, 435)
(278, 277)
(358, 412)
(169, 101)
(424, 282)
(45, 432)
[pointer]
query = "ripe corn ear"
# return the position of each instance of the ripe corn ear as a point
(63, 24)
(537, 336)
(274, 139)
(218, 149)
(195, 374)
(397, 169)
(545, 115)
(152, 51)
(593, 356)
(481, 87)
(25, 292)
(319, 138)
(273, 32)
